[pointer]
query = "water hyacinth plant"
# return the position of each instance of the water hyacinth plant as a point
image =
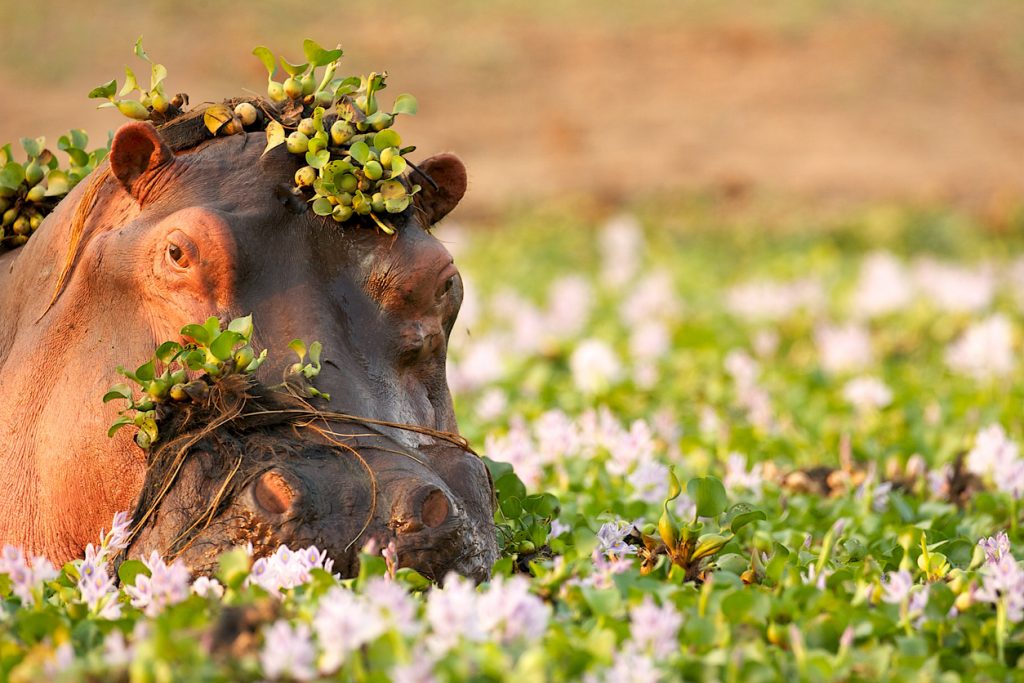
(779, 475)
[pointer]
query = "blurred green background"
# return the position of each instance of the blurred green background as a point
(820, 104)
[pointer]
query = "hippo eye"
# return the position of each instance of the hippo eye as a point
(446, 287)
(177, 255)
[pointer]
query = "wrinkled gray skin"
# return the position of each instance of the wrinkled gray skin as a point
(174, 238)
(268, 482)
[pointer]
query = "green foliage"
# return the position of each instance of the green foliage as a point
(31, 189)
(151, 103)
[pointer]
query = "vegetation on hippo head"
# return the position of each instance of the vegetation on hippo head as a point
(354, 160)
(30, 189)
(181, 373)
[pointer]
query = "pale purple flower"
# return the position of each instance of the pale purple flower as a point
(867, 393)
(917, 604)
(631, 447)
(985, 351)
(650, 481)
(482, 363)
(815, 578)
(737, 475)
(649, 341)
(880, 496)
(395, 609)
(995, 547)
(843, 348)
(205, 587)
(518, 449)
(61, 660)
(570, 300)
(120, 531)
(508, 612)
(97, 587)
(390, 555)
(622, 244)
(557, 528)
(1003, 581)
(605, 568)
(996, 457)
(896, 587)
(760, 300)
(765, 343)
(652, 299)
(938, 481)
(884, 286)
(595, 367)
(420, 670)
(452, 614)
(742, 368)
(955, 288)
(654, 629)
(629, 666)
(288, 652)
(26, 579)
(117, 653)
(343, 623)
(287, 568)
(557, 437)
(611, 538)
(491, 405)
(166, 585)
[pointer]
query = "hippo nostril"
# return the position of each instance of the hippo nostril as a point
(273, 493)
(435, 508)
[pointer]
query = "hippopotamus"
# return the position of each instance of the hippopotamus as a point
(175, 227)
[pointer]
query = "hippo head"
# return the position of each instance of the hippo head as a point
(180, 227)
(249, 465)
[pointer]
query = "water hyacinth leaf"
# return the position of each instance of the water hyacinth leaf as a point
(79, 138)
(412, 579)
(105, 91)
(223, 346)
(387, 138)
(118, 423)
(145, 372)
(130, 570)
(12, 175)
(118, 391)
(322, 206)
(130, 83)
(318, 56)
(405, 104)
(509, 486)
(315, 349)
(743, 519)
(299, 347)
(708, 494)
(318, 159)
(233, 567)
(293, 69)
(33, 146)
(512, 508)
(78, 156)
(267, 57)
(216, 116)
(275, 136)
(197, 333)
(398, 166)
(157, 76)
(360, 151)
(242, 326)
(139, 52)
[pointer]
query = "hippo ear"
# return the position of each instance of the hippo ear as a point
(443, 187)
(137, 151)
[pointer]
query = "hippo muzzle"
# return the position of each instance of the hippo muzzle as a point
(310, 482)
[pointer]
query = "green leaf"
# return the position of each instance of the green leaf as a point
(78, 156)
(745, 518)
(118, 423)
(293, 69)
(360, 151)
(157, 76)
(387, 138)
(412, 579)
(267, 57)
(146, 372)
(314, 352)
(233, 567)
(139, 52)
(709, 495)
(242, 326)
(122, 391)
(322, 207)
(197, 333)
(405, 104)
(275, 136)
(130, 83)
(130, 570)
(299, 347)
(216, 116)
(12, 175)
(167, 351)
(319, 159)
(79, 138)
(105, 91)
(316, 55)
(398, 166)
(33, 146)
(223, 346)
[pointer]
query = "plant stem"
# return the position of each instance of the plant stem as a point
(1001, 629)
